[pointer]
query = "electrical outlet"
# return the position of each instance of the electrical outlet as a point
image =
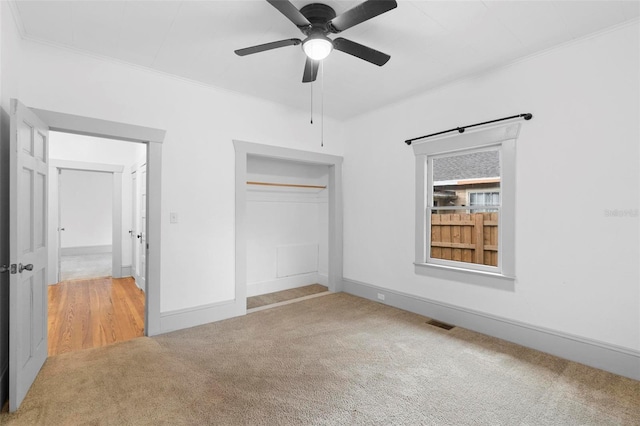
(380, 296)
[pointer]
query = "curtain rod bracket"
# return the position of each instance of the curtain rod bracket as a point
(526, 116)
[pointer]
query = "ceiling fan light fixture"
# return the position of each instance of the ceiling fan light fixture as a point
(317, 47)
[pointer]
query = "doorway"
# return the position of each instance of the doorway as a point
(153, 139)
(85, 241)
(95, 295)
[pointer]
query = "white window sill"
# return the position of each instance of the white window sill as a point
(468, 276)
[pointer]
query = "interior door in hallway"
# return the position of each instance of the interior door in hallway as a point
(29, 166)
(140, 222)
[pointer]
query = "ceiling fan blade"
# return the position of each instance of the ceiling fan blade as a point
(310, 70)
(291, 12)
(268, 46)
(362, 12)
(360, 51)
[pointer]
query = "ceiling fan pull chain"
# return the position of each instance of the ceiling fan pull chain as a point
(311, 106)
(322, 103)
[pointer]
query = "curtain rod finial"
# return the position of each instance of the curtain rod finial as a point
(527, 116)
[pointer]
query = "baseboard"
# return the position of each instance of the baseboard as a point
(126, 271)
(81, 250)
(199, 315)
(4, 384)
(285, 283)
(615, 359)
(323, 280)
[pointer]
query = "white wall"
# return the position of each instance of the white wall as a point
(198, 155)
(577, 268)
(287, 228)
(87, 149)
(85, 199)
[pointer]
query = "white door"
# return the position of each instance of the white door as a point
(139, 179)
(143, 228)
(134, 224)
(28, 178)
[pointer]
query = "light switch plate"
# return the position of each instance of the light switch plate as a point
(173, 217)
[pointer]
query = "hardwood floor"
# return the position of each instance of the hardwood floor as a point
(91, 313)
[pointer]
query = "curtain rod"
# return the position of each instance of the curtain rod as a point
(526, 116)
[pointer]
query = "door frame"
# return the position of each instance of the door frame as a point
(334, 187)
(153, 138)
(116, 212)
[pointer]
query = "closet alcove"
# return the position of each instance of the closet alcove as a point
(287, 224)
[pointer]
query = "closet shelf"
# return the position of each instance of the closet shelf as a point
(287, 185)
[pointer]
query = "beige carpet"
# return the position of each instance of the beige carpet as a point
(332, 360)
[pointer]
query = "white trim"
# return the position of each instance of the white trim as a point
(597, 354)
(475, 139)
(334, 187)
(500, 138)
(323, 279)
(80, 125)
(86, 166)
(153, 138)
(116, 227)
(469, 276)
(126, 271)
(198, 315)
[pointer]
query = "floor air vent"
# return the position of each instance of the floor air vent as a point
(440, 324)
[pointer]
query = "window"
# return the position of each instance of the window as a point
(476, 199)
(466, 202)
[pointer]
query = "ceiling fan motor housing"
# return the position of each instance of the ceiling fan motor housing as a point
(319, 15)
(316, 21)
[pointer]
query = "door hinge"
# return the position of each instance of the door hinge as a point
(13, 268)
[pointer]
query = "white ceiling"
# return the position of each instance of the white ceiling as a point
(430, 42)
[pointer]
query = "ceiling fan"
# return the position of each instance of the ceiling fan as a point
(316, 21)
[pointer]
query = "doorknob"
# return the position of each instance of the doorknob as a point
(139, 235)
(22, 267)
(60, 229)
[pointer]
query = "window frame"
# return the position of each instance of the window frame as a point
(503, 138)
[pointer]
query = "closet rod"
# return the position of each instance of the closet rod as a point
(526, 116)
(290, 185)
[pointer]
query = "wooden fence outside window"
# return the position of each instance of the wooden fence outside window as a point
(471, 238)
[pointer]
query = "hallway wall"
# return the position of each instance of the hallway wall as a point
(85, 209)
